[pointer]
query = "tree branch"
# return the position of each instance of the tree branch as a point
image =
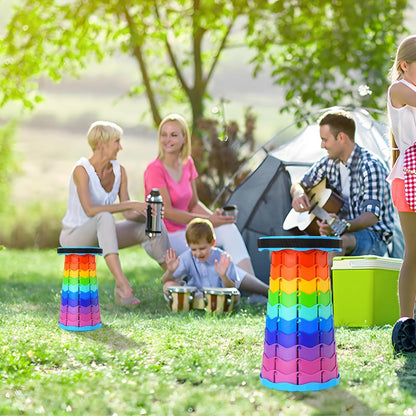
(197, 35)
(218, 54)
(138, 54)
(173, 59)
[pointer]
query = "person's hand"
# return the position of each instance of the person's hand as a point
(140, 207)
(155, 209)
(324, 228)
(218, 219)
(301, 203)
(172, 262)
(222, 266)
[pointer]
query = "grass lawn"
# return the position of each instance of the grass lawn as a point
(150, 362)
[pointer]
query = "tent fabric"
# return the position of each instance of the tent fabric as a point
(263, 198)
(263, 202)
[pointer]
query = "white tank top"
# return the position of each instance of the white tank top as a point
(75, 214)
(403, 126)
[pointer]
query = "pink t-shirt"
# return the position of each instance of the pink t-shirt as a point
(156, 176)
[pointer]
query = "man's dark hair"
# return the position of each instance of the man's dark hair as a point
(339, 121)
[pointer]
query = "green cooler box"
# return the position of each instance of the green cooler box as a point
(365, 290)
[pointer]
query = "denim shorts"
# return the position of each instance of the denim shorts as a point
(369, 243)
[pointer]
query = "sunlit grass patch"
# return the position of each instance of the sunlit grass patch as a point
(149, 361)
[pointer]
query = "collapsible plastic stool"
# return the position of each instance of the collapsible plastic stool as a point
(299, 345)
(80, 307)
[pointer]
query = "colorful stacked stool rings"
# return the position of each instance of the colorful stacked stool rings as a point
(299, 343)
(80, 307)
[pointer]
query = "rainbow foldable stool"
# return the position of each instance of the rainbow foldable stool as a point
(80, 307)
(299, 345)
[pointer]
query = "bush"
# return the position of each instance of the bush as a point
(34, 226)
(218, 151)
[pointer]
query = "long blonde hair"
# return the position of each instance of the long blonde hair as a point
(405, 52)
(186, 148)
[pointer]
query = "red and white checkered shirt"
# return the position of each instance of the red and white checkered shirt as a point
(409, 168)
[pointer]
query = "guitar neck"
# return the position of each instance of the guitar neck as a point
(337, 226)
(321, 214)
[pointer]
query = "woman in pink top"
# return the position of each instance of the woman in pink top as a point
(173, 173)
(401, 106)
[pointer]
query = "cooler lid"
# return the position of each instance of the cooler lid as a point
(366, 262)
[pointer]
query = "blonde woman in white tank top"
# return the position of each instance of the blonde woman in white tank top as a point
(401, 106)
(95, 185)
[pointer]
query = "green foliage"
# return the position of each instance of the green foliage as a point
(321, 51)
(46, 38)
(328, 52)
(167, 39)
(151, 362)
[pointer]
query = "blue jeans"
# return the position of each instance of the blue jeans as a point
(369, 243)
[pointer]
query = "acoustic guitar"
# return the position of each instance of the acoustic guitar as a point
(323, 202)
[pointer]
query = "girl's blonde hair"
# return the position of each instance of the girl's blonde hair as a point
(405, 52)
(186, 148)
(104, 131)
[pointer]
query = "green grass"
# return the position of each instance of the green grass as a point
(150, 362)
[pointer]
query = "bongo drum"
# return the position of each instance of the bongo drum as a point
(220, 300)
(180, 298)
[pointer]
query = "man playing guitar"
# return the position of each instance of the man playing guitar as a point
(358, 176)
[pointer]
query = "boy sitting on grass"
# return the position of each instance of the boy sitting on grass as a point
(202, 263)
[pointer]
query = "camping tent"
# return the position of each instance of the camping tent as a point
(263, 198)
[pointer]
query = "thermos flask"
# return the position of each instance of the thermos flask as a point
(154, 223)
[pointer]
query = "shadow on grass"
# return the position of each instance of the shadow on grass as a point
(407, 374)
(333, 401)
(112, 338)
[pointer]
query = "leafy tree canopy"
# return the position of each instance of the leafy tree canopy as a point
(322, 51)
(329, 52)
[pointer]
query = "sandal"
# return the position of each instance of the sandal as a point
(129, 302)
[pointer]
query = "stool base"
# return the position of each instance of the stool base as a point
(80, 328)
(299, 387)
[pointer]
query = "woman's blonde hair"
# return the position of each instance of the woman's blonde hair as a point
(104, 131)
(186, 148)
(405, 52)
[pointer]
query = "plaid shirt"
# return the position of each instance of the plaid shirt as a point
(369, 190)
